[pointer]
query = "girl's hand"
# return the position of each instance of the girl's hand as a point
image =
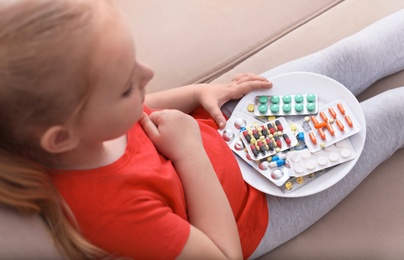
(176, 135)
(213, 96)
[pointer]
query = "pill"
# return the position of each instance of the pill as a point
(286, 99)
(275, 99)
(340, 125)
(323, 116)
(288, 185)
(314, 120)
(271, 118)
(228, 135)
(275, 108)
(238, 146)
(271, 128)
(332, 112)
(299, 180)
(330, 129)
(305, 154)
(293, 127)
(255, 134)
(322, 134)
(286, 108)
(311, 107)
(262, 108)
(287, 139)
(264, 131)
(240, 123)
(299, 107)
(254, 150)
(276, 163)
(278, 141)
(281, 156)
(263, 165)
(313, 138)
(294, 157)
(320, 125)
(247, 136)
(341, 143)
(250, 107)
(298, 168)
(333, 156)
(341, 108)
(277, 174)
(278, 125)
(310, 165)
(348, 121)
(270, 144)
(263, 99)
(299, 98)
(311, 98)
(345, 153)
(322, 160)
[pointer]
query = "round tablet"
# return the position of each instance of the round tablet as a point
(275, 99)
(287, 99)
(263, 99)
(311, 107)
(322, 160)
(286, 108)
(262, 108)
(263, 165)
(311, 98)
(333, 156)
(299, 98)
(310, 165)
(345, 153)
(277, 174)
(299, 107)
(298, 168)
(274, 108)
(238, 146)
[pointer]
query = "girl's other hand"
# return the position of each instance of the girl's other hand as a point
(175, 134)
(213, 96)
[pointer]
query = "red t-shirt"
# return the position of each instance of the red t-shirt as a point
(136, 206)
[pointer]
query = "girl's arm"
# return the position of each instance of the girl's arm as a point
(209, 96)
(214, 233)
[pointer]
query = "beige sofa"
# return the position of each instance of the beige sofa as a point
(190, 41)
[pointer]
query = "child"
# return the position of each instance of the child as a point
(144, 183)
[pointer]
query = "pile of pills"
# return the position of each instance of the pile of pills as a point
(284, 105)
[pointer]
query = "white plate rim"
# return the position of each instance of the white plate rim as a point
(327, 90)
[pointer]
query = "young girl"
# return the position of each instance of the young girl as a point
(143, 183)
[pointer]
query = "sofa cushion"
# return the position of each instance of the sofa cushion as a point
(192, 41)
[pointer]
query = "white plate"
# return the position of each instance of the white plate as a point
(327, 90)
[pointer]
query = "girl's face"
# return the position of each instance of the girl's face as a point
(116, 101)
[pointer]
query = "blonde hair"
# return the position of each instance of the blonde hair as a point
(41, 85)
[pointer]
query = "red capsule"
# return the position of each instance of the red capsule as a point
(279, 125)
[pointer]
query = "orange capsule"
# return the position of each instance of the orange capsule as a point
(340, 125)
(314, 120)
(322, 134)
(320, 125)
(332, 112)
(341, 108)
(348, 121)
(313, 138)
(330, 129)
(323, 116)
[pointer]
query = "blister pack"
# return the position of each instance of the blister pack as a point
(334, 122)
(304, 162)
(285, 105)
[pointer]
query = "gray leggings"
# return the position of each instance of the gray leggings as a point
(357, 62)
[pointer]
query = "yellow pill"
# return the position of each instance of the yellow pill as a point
(299, 180)
(288, 185)
(271, 118)
(250, 107)
(293, 127)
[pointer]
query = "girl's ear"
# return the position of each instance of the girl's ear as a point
(58, 139)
